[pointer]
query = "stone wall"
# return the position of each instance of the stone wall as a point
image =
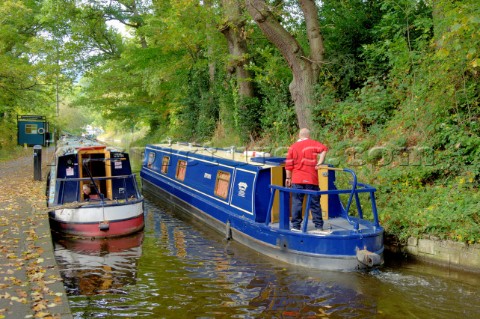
(445, 253)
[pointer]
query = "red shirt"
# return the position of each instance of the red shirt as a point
(301, 159)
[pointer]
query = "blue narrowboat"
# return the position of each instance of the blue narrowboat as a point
(242, 195)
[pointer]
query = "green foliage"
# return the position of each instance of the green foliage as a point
(249, 113)
(347, 28)
(119, 89)
(22, 75)
(272, 77)
(402, 36)
(8, 134)
(412, 130)
(199, 115)
(365, 108)
(446, 212)
(279, 118)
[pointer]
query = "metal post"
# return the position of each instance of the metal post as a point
(37, 163)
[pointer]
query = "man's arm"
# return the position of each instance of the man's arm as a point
(321, 158)
(289, 167)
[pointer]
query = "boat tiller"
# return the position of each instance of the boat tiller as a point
(368, 258)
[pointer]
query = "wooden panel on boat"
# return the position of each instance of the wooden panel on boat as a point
(276, 179)
(323, 184)
(103, 168)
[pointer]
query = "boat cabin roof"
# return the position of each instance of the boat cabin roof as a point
(68, 144)
(263, 159)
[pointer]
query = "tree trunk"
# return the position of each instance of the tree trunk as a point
(305, 69)
(234, 31)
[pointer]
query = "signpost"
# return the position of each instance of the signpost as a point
(32, 130)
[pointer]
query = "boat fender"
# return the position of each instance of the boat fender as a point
(368, 258)
(104, 225)
(228, 231)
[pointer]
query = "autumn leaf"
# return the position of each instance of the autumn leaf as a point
(39, 307)
(21, 300)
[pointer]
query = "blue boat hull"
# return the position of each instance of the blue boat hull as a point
(331, 252)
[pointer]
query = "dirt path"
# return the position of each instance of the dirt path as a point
(30, 284)
(16, 180)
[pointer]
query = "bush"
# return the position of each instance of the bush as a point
(447, 212)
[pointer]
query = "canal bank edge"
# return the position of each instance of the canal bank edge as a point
(445, 253)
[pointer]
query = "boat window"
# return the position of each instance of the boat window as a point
(181, 170)
(151, 159)
(165, 163)
(222, 183)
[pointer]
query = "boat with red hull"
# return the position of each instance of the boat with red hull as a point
(114, 207)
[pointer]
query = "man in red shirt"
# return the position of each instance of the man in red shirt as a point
(302, 163)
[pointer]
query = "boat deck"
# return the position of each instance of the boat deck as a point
(334, 226)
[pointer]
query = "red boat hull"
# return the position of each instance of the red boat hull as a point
(115, 228)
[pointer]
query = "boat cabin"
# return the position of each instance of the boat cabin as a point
(106, 171)
(240, 181)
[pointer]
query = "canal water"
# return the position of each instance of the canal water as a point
(176, 268)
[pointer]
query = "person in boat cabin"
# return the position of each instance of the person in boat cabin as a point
(87, 193)
(303, 160)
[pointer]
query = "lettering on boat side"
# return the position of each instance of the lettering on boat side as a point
(207, 176)
(242, 187)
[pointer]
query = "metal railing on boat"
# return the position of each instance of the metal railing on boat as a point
(357, 188)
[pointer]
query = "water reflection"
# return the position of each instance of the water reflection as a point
(99, 266)
(206, 277)
(188, 271)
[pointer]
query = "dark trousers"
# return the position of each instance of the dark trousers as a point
(297, 202)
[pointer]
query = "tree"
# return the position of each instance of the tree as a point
(305, 67)
(234, 31)
(21, 82)
(130, 13)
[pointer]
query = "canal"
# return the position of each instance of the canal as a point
(179, 269)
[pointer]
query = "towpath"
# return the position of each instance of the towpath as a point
(30, 282)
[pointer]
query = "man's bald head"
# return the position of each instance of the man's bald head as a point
(304, 133)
